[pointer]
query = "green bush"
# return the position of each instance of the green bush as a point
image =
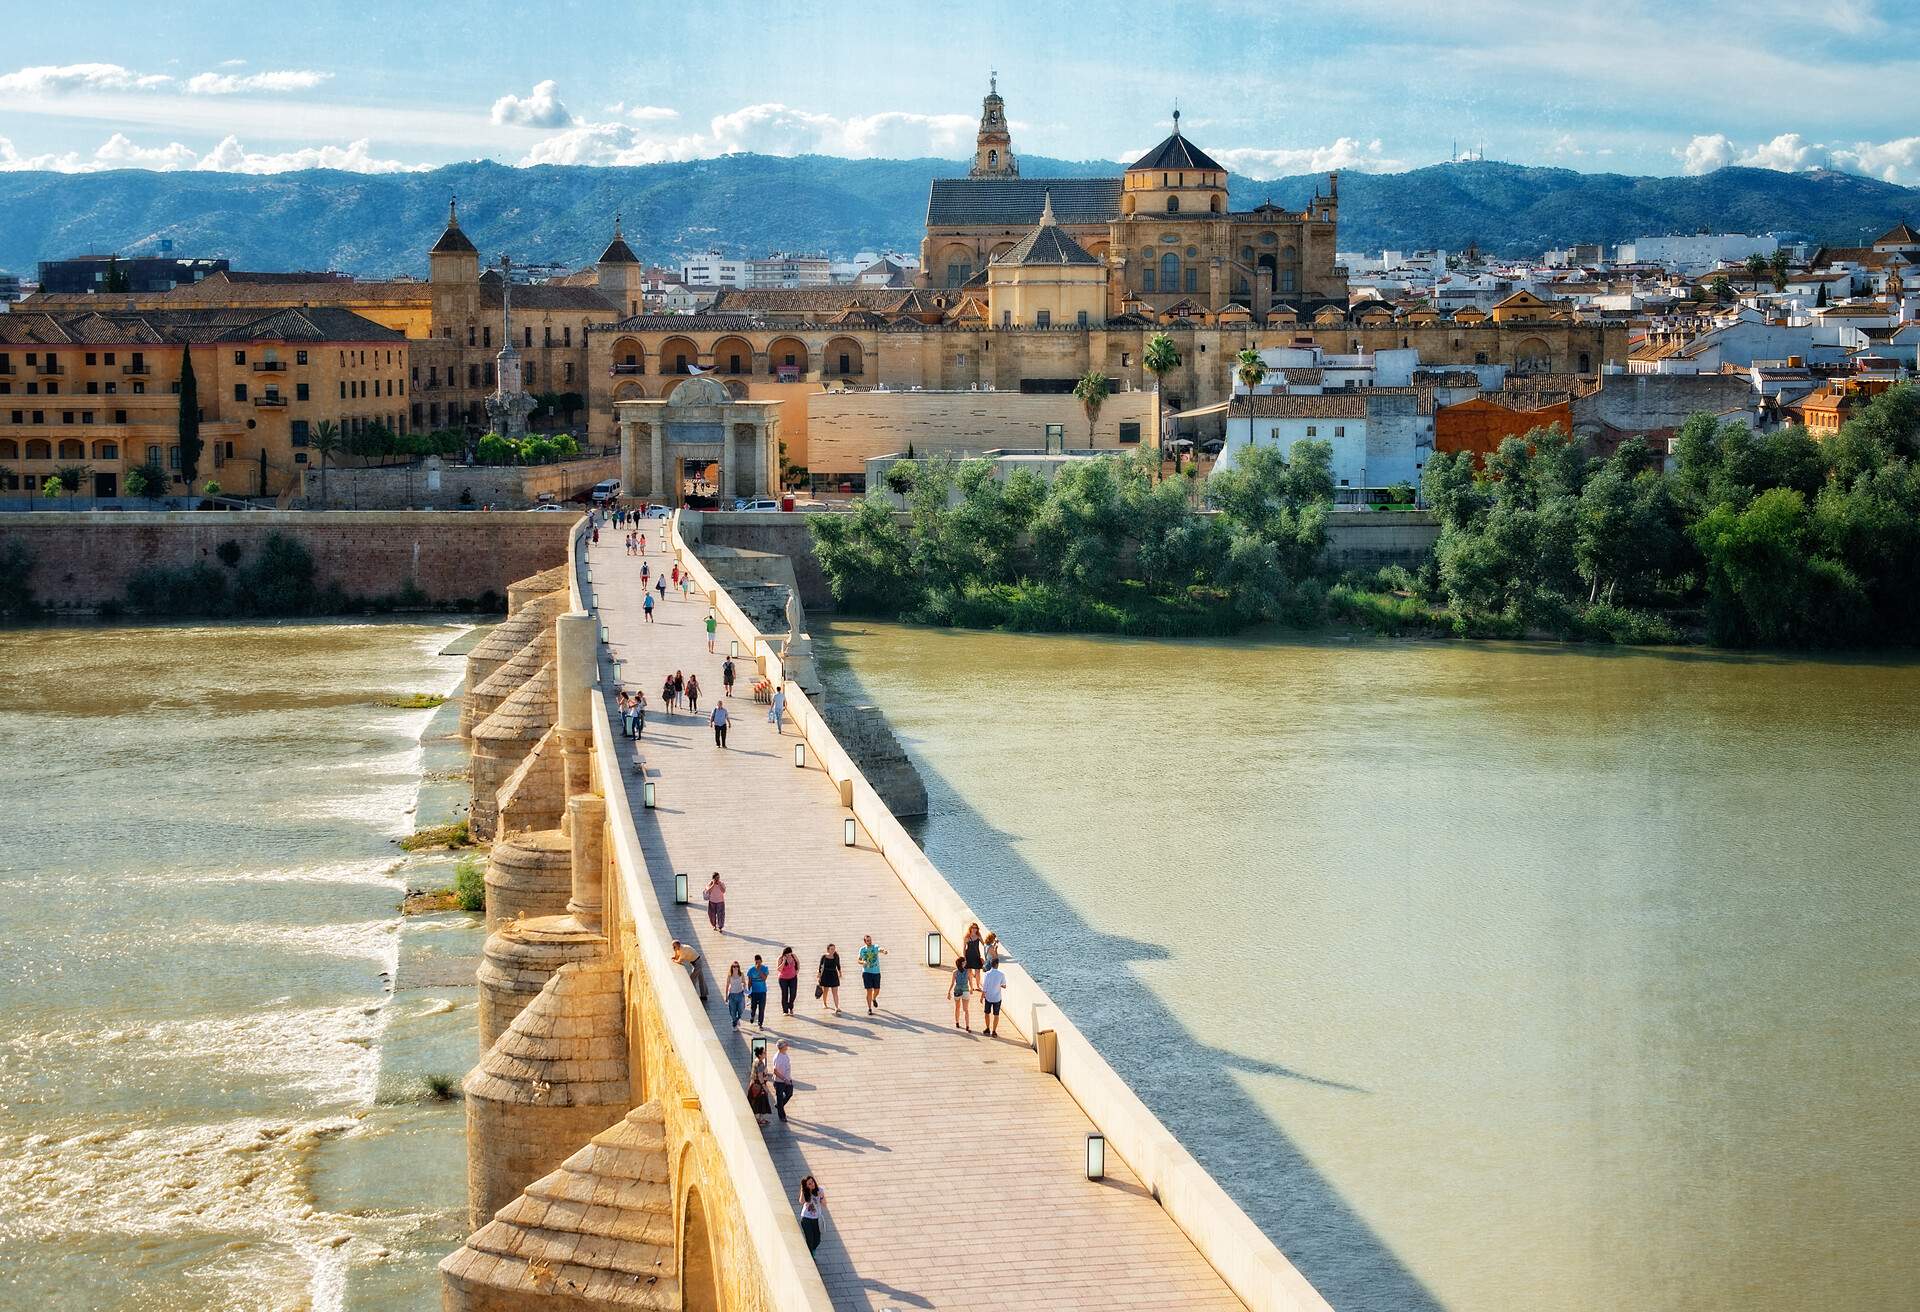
(197, 591)
(280, 580)
(470, 883)
(1381, 611)
(228, 552)
(16, 588)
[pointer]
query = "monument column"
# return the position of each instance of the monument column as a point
(576, 670)
(656, 464)
(729, 458)
(587, 818)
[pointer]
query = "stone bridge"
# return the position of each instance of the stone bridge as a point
(613, 1160)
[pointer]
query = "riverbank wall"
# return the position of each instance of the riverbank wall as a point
(434, 484)
(83, 560)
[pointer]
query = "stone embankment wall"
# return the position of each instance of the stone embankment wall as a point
(81, 560)
(870, 741)
(433, 485)
(1370, 539)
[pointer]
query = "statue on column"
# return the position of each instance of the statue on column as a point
(509, 405)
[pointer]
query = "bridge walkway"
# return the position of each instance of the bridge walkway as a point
(954, 1167)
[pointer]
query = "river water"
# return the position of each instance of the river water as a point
(211, 1093)
(1486, 976)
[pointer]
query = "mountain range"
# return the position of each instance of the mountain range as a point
(380, 224)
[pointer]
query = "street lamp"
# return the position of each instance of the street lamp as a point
(1096, 1156)
(847, 829)
(733, 647)
(799, 756)
(646, 793)
(935, 958)
(679, 886)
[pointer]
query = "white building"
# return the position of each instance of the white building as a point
(714, 270)
(782, 270)
(1696, 252)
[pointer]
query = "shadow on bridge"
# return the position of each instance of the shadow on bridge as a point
(1189, 1084)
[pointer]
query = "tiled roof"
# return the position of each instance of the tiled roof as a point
(1330, 405)
(618, 252)
(1176, 152)
(325, 291)
(816, 300)
(453, 239)
(152, 327)
(1901, 233)
(1017, 202)
(1047, 244)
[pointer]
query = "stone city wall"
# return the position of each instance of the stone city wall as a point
(81, 560)
(433, 486)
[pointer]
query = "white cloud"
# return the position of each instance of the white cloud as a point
(1344, 153)
(233, 63)
(643, 113)
(228, 84)
(63, 79)
(1705, 153)
(541, 109)
(355, 157)
(119, 152)
(766, 129)
(1895, 161)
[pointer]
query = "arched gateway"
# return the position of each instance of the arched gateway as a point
(700, 424)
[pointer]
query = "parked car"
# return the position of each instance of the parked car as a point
(656, 512)
(764, 503)
(561, 510)
(606, 489)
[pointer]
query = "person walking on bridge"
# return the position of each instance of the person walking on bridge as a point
(646, 607)
(639, 714)
(719, 720)
(958, 988)
(993, 986)
(870, 971)
(711, 625)
(789, 980)
(827, 989)
(975, 957)
(736, 991)
(812, 1201)
(716, 896)
(757, 992)
(726, 677)
(778, 711)
(693, 695)
(782, 1081)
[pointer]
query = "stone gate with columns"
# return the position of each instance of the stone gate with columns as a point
(700, 421)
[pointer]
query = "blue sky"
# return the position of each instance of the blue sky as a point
(1272, 87)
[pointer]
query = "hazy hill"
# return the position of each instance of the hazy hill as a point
(755, 203)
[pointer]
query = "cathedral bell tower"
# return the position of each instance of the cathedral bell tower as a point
(993, 148)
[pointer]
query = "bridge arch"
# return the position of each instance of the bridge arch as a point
(699, 1269)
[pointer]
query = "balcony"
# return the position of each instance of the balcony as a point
(136, 370)
(270, 400)
(50, 369)
(269, 366)
(634, 368)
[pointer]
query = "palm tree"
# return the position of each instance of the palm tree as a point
(1092, 390)
(325, 440)
(1161, 359)
(1249, 368)
(1756, 266)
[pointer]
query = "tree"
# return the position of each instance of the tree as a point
(1249, 368)
(116, 277)
(326, 440)
(1779, 265)
(189, 417)
(1160, 359)
(73, 478)
(52, 488)
(1092, 391)
(147, 480)
(1722, 289)
(1756, 266)
(1820, 297)
(212, 487)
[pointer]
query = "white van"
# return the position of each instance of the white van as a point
(606, 490)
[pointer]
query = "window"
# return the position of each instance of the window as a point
(529, 337)
(958, 272)
(299, 357)
(109, 356)
(119, 416)
(1170, 272)
(91, 358)
(153, 454)
(1006, 316)
(546, 335)
(470, 335)
(86, 416)
(473, 374)
(343, 390)
(1146, 279)
(93, 388)
(1042, 319)
(486, 335)
(1339, 430)
(1173, 204)
(1126, 359)
(1286, 280)
(1129, 433)
(1312, 431)
(1193, 278)
(299, 430)
(66, 416)
(239, 357)
(300, 392)
(566, 335)
(239, 391)
(570, 371)
(112, 388)
(1080, 319)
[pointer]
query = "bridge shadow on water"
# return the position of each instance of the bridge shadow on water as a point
(1189, 1084)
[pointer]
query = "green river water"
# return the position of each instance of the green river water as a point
(1486, 976)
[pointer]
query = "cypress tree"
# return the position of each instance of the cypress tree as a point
(189, 417)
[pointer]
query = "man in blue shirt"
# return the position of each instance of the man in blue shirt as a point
(757, 992)
(870, 971)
